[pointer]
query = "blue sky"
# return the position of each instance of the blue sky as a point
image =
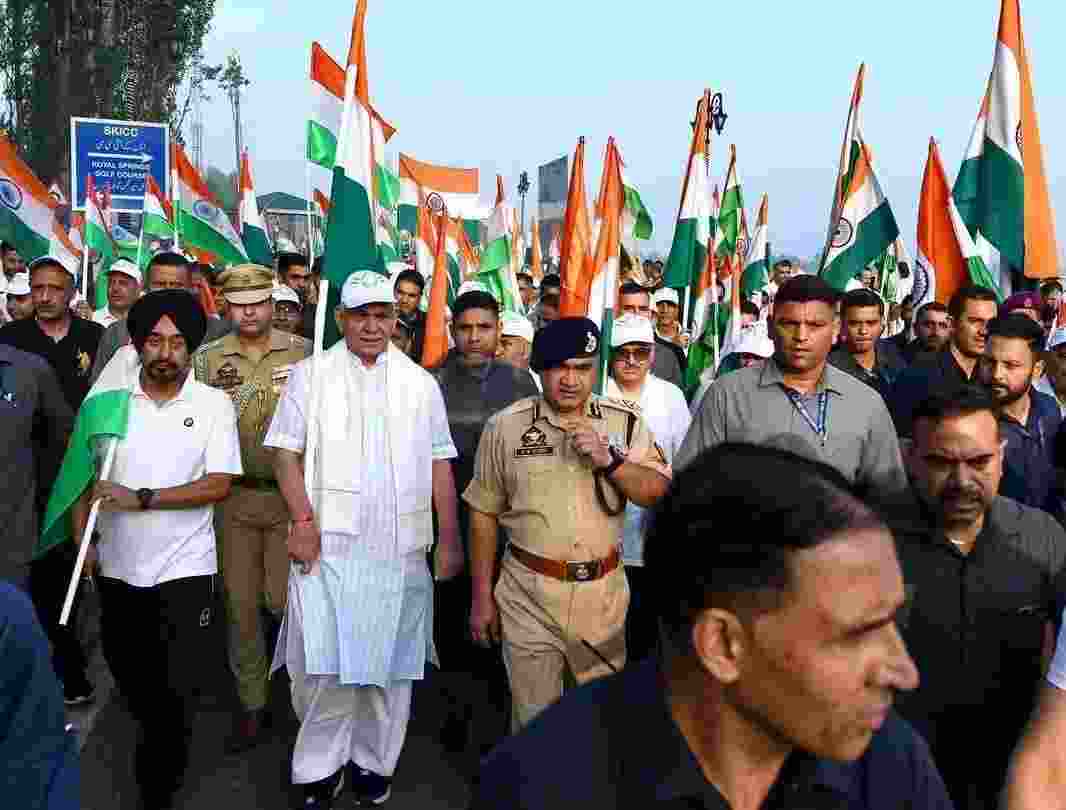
(505, 86)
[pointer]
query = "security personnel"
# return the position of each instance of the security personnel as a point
(252, 365)
(555, 471)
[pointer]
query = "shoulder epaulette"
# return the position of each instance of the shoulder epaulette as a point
(521, 406)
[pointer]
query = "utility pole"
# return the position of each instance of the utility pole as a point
(523, 190)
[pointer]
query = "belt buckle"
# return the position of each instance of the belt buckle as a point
(583, 571)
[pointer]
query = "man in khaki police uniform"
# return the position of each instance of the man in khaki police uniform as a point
(252, 365)
(555, 472)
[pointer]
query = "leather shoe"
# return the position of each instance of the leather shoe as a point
(247, 731)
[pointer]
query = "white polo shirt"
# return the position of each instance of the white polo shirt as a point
(167, 446)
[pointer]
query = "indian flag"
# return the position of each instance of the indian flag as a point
(536, 263)
(457, 188)
(158, 217)
(635, 217)
(607, 259)
(435, 345)
(200, 221)
(941, 268)
(862, 223)
(1001, 190)
(575, 273)
(98, 238)
(104, 414)
(704, 287)
(253, 232)
(978, 270)
(688, 253)
(756, 268)
(496, 270)
(327, 107)
(729, 228)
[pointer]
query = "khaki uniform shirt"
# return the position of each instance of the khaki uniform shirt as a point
(254, 388)
(543, 493)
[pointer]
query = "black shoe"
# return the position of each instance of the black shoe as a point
(320, 795)
(369, 787)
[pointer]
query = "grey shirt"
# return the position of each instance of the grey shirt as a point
(750, 405)
(117, 335)
(35, 423)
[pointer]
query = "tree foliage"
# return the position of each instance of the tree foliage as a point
(100, 58)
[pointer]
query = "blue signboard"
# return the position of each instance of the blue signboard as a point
(119, 155)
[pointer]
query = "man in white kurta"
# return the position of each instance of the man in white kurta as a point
(358, 627)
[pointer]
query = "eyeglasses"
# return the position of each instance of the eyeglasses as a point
(633, 357)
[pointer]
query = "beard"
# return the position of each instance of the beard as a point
(1006, 396)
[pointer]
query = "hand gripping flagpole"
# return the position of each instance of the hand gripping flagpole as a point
(86, 537)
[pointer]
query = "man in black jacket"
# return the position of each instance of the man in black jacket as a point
(863, 354)
(475, 385)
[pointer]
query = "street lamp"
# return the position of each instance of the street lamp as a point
(523, 190)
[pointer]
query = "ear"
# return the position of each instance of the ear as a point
(720, 643)
(338, 318)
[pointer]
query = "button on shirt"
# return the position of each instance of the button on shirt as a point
(751, 405)
(542, 492)
(168, 445)
(613, 745)
(975, 624)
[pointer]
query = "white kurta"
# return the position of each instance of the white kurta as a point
(366, 609)
(663, 409)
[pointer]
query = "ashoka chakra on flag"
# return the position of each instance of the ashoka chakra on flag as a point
(10, 195)
(843, 234)
(205, 211)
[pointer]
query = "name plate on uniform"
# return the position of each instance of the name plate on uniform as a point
(534, 443)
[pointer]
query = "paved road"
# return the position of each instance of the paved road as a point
(426, 778)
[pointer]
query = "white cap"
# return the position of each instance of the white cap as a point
(366, 287)
(395, 268)
(514, 325)
(666, 294)
(753, 341)
(283, 293)
(471, 286)
(631, 329)
(126, 267)
(50, 260)
(19, 284)
(1057, 337)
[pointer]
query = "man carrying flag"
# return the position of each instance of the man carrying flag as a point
(358, 626)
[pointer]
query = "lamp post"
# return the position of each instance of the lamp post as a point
(523, 190)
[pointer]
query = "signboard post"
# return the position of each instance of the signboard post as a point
(119, 155)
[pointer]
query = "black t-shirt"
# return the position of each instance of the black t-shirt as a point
(71, 358)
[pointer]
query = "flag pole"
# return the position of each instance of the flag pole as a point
(86, 537)
(311, 446)
(310, 219)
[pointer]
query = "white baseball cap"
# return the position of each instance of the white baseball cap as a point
(514, 325)
(666, 294)
(753, 341)
(631, 329)
(50, 260)
(126, 267)
(284, 293)
(1057, 337)
(19, 284)
(471, 286)
(366, 287)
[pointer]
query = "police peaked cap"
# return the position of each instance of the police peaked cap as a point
(562, 340)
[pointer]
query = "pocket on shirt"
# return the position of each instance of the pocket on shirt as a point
(1020, 630)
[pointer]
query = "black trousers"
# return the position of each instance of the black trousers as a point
(49, 578)
(154, 641)
(642, 623)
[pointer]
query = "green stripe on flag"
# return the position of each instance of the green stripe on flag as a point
(643, 227)
(873, 235)
(156, 226)
(27, 241)
(407, 218)
(102, 415)
(350, 242)
(321, 145)
(256, 246)
(1001, 217)
(687, 256)
(386, 187)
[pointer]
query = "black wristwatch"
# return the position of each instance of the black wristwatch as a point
(145, 496)
(617, 460)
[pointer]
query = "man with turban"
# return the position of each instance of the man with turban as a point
(156, 553)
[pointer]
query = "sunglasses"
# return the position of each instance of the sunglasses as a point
(632, 357)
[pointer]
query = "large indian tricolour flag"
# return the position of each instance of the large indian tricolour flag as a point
(496, 269)
(757, 266)
(104, 414)
(862, 225)
(27, 212)
(1001, 190)
(457, 188)
(200, 221)
(688, 253)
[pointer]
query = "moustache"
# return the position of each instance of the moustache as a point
(962, 495)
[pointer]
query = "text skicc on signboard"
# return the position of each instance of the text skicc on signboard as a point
(119, 155)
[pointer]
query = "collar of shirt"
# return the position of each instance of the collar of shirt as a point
(663, 762)
(183, 392)
(279, 342)
(994, 531)
(772, 375)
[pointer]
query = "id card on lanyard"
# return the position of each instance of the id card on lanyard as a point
(819, 426)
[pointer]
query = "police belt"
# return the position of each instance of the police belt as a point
(248, 482)
(585, 571)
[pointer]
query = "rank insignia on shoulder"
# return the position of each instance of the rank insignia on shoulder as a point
(534, 443)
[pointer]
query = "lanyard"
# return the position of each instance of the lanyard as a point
(821, 427)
